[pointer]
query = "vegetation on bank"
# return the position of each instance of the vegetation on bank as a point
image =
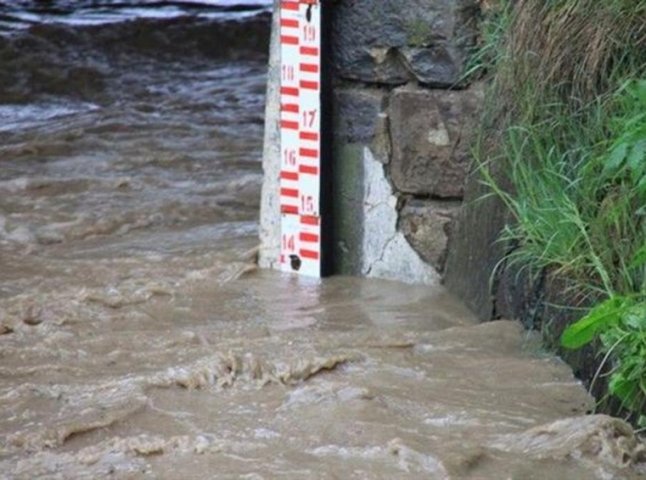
(563, 145)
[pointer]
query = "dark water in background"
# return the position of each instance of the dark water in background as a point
(137, 340)
(76, 49)
(23, 13)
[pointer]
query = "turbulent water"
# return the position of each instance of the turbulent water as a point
(137, 339)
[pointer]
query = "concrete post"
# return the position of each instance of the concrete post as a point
(270, 206)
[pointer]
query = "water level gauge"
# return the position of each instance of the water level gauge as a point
(301, 123)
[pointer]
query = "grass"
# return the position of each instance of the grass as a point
(563, 144)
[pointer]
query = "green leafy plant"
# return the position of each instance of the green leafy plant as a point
(601, 319)
(620, 324)
(563, 145)
(628, 152)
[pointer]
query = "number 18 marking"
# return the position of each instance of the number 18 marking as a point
(309, 33)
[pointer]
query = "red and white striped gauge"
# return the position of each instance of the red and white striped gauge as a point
(300, 136)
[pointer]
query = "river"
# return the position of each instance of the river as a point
(137, 337)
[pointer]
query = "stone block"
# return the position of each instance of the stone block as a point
(385, 252)
(427, 224)
(381, 144)
(383, 41)
(357, 114)
(475, 249)
(437, 65)
(431, 134)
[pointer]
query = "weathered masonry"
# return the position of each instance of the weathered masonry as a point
(402, 128)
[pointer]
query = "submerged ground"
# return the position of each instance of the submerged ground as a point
(137, 339)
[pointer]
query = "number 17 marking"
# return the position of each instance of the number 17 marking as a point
(309, 116)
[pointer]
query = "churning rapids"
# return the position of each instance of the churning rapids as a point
(137, 339)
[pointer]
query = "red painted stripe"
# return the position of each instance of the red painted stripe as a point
(309, 254)
(289, 6)
(289, 175)
(309, 170)
(292, 209)
(288, 40)
(290, 107)
(309, 220)
(306, 84)
(309, 136)
(289, 22)
(287, 125)
(289, 192)
(309, 238)
(309, 67)
(308, 152)
(291, 91)
(313, 51)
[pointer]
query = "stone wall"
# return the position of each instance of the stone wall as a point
(402, 130)
(402, 127)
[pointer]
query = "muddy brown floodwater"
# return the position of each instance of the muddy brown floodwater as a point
(137, 339)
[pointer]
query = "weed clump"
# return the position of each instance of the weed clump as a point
(563, 144)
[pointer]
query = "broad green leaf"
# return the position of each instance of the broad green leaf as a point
(636, 317)
(636, 158)
(583, 331)
(615, 159)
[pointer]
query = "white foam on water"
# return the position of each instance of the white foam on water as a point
(18, 116)
(84, 13)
